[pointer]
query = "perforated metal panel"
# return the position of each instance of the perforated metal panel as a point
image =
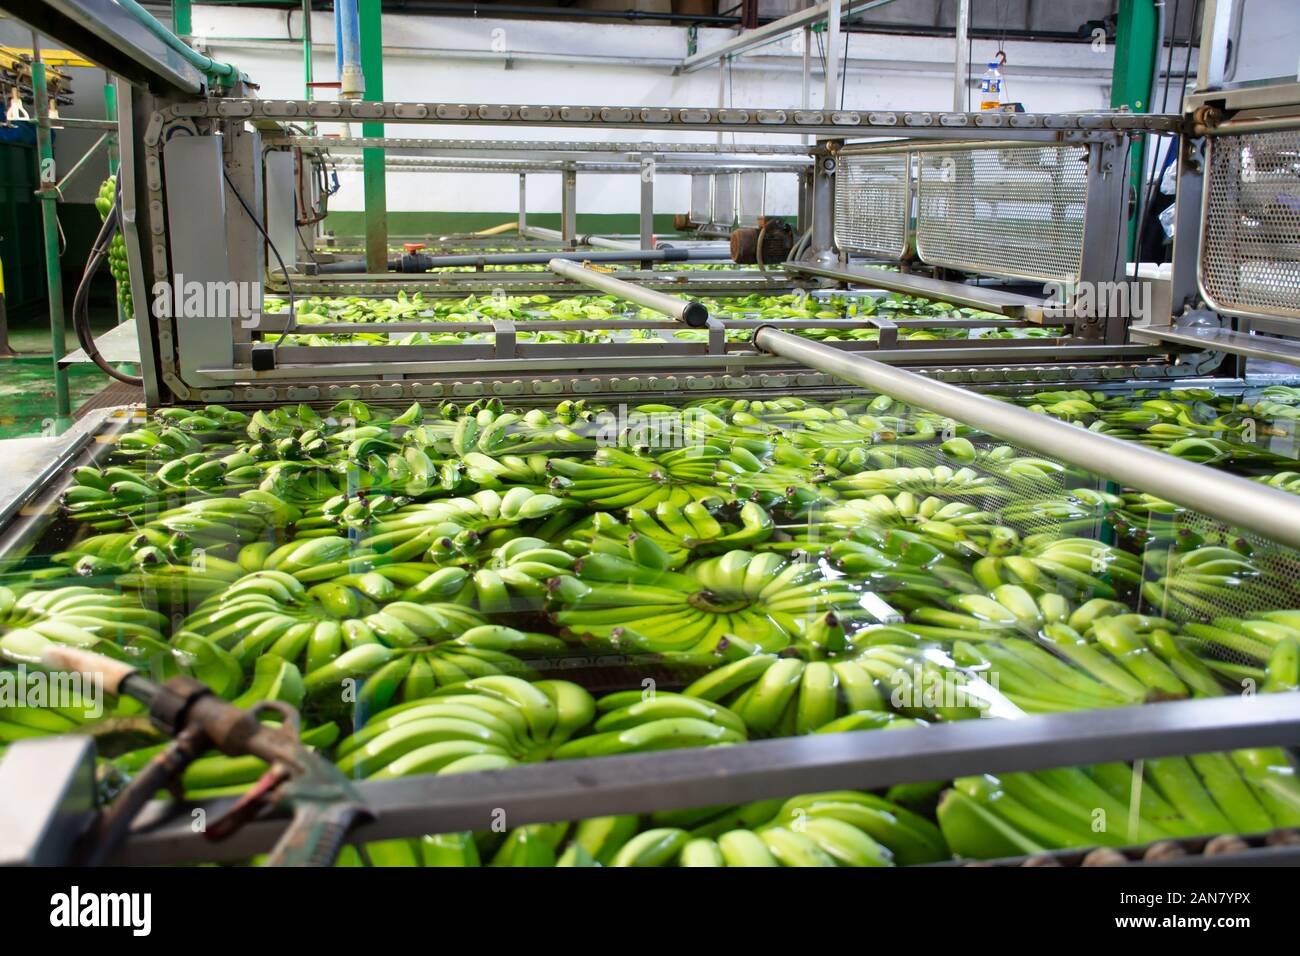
(724, 200)
(701, 199)
(1250, 236)
(873, 203)
(1015, 211)
(750, 195)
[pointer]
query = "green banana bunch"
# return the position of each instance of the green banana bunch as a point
(637, 722)
(940, 480)
(1204, 581)
(955, 527)
(1079, 509)
(1263, 638)
(616, 478)
(92, 619)
(758, 596)
(910, 567)
(117, 261)
(903, 837)
(679, 533)
(840, 828)
(1003, 460)
(484, 723)
(353, 637)
(1078, 567)
(1026, 813)
(783, 696)
(454, 526)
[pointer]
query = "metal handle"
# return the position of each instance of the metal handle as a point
(1267, 511)
(683, 310)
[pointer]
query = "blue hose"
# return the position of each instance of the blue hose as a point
(347, 32)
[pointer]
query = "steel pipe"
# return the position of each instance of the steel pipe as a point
(645, 782)
(1267, 511)
(690, 312)
(419, 262)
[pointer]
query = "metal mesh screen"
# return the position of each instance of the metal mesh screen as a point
(1042, 506)
(701, 199)
(724, 200)
(1250, 252)
(872, 200)
(750, 193)
(1012, 211)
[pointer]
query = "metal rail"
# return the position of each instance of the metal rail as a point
(777, 28)
(1270, 512)
(1223, 340)
(688, 311)
(642, 783)
(528, 148)
(959, 293)
(630, 253)
(1055, 127)
(440, 165)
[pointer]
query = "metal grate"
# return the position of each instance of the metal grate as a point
(724, 200)
(701, 199)
(1276, 587)
(1014, 211)
(872, 200)
(1250, 247)
(751, 192)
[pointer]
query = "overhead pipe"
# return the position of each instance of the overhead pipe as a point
(554, 13)
(422, 262)
(687, 311)
(554, 235)
(1267, 511)
(204, 64)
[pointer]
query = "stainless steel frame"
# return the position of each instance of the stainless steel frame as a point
(640, 783)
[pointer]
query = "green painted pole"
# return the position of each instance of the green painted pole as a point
(110, 113)
(182, 19)
(49, 196)
(1135, 65)
(372, 160)
(307, 77)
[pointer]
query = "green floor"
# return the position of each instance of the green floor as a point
(27, 381)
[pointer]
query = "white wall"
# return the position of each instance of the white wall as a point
(435, 59)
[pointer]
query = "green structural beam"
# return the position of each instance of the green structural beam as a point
(1135, 64)
(182, 18)
(372, 160)
(49, 196)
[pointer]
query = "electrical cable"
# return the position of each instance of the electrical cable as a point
(844, 69)
(970, 55)
(1169, 60)
(311, 253)
(1144, 219)
(1187, 63)
(292, 324)
(81, 301)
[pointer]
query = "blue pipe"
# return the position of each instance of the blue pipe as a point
(338, 44)
(347, 32)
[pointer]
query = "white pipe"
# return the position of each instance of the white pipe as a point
(754, 64)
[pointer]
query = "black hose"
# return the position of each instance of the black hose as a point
(81, 301)
(291, 325)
